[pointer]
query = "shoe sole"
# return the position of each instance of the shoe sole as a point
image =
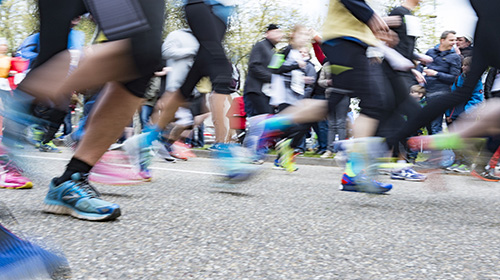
(407, 179)
(347, 188)
(65, 210)
(172, 160)
(474, 174)
(28, 185)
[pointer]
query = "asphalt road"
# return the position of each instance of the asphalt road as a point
(186, 224)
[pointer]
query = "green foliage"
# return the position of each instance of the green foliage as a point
(87, 26)
(249, 24)
(18, 19)
(174, 17)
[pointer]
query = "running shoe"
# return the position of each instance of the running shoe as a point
(327, 154)
(117, 174)
(452, 167)
(361, 183)
(216, 147)
(235, 162)
(181, 151)
(20, 259)
(34, 135)
(10, 175)
(258, 161)
(277, 166)
(77, 198)
(49, 147)
(287, 158)
(462, 168)
(141, 155)
(408, 174)
(163, 152)
(486, 175)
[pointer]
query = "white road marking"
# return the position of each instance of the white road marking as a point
(127, 165)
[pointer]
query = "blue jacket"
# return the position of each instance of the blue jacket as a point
(448, 65)
(218, 8)
(30, 46)
(476, 98)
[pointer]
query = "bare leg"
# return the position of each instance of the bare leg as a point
(307, 111)
(101, 63)
(217, 102)
(168, 105)
(483, 121)
(176, 132)
(365, 126)
(113, 112)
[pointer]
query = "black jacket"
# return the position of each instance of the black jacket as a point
(258, 73)
(490, 79)
(448, 65)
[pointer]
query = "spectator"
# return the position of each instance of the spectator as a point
(492, 83)
(441, 72)
(464, 46)
(258, 81)
(337, 117)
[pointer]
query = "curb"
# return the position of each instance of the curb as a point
(270, 158)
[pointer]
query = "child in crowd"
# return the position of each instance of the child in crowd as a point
(418, 92)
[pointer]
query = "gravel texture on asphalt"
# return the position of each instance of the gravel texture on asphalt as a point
(188, 224)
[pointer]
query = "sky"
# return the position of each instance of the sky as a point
(457, 15)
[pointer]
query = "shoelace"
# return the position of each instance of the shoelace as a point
(84, 185)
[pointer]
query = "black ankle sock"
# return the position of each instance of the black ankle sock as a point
(75, 165)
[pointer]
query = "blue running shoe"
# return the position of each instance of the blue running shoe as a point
(236, 162)
(361, 183)
(140, 152)
(77, 198)
(20, 259)
(408, 174)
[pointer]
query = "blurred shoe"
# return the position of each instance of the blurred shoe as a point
(340, 158)
(258, 161)
(10, 175)
(49, 147)
(18, 145)
(77, 198)
(327, 154)
(287, 159)
(141, 155)
(181, 151)
(408, 174)
(163, 152)
(34, 135)
(486, 175)
(452, 167)
(320, 152)
(462, 168)
(298, 152)
(117, 174)
(277, 166)
(20, 259)
(216, 147)
(361, 183)
(235, 162)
